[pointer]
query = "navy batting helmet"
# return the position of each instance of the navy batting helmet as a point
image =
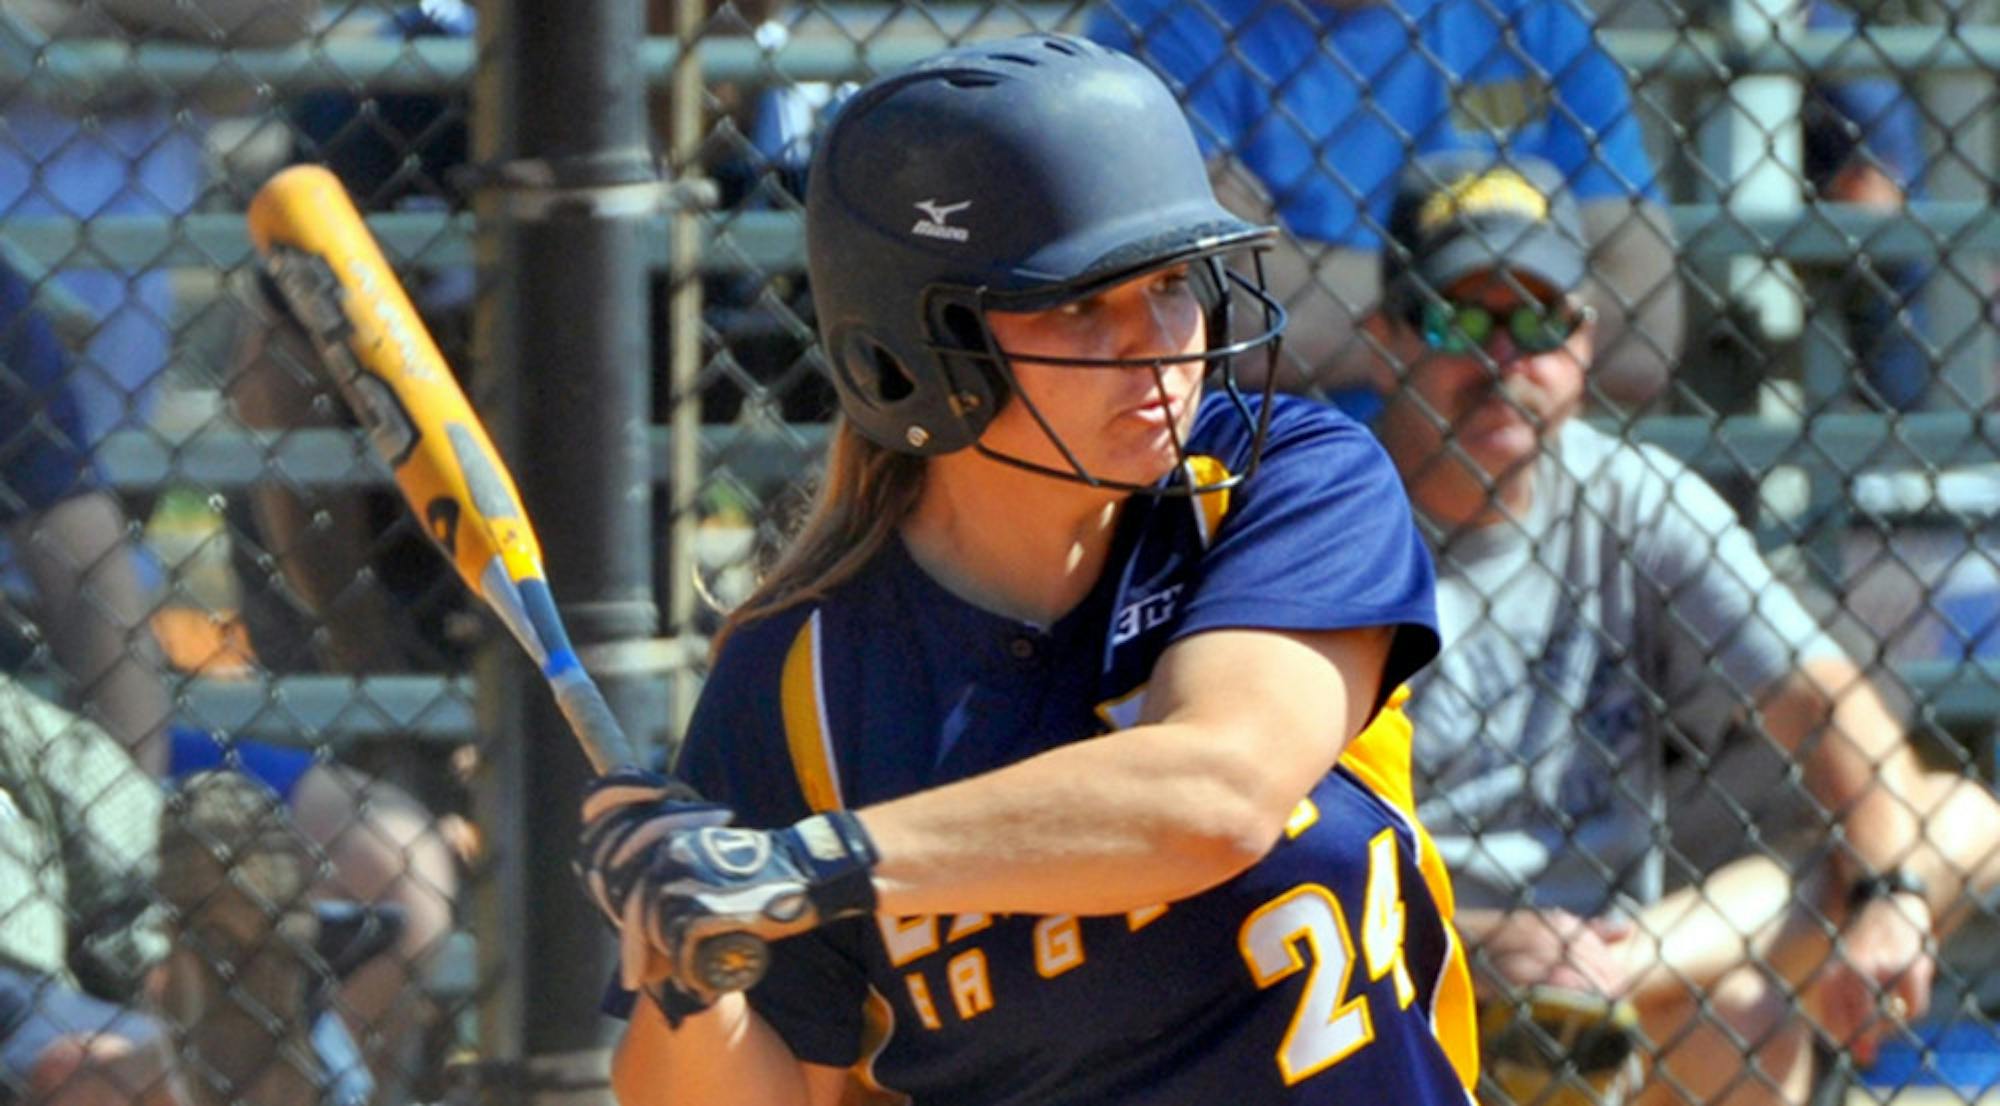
(1015, 175)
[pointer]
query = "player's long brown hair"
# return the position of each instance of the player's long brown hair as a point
(866, 494)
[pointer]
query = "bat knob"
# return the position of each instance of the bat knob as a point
(732, 961)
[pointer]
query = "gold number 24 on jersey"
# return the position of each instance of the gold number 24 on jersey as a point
(1308, 919)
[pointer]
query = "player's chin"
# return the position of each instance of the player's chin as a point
(1145, 462)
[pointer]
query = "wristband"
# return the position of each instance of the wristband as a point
(839, 858)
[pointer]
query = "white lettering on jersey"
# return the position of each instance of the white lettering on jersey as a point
(1143, 614)
(907, 939)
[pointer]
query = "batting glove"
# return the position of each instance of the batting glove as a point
(717, 881)
(626, 813)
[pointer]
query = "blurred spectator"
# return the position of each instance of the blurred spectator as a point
(91, 607)
(1601, 609)
(238, 984)
(381, 848)
(1864, 145)
(1307, 111)
(78, 932)
(69, 534)
(86, 955)
(130, 154)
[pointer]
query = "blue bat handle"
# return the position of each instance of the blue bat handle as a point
(726, 962)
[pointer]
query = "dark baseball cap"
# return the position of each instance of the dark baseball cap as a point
(1461, 212)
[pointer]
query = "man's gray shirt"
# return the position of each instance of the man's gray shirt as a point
(1625, 612)
(79, 836)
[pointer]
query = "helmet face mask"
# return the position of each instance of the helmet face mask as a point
(966, 346)
(1014, 176)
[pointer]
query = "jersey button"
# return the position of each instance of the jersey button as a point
(1023, 648)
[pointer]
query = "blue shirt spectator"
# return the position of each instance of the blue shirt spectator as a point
(1321, 104)
(43, 459)
(135, 160)
(133, 155)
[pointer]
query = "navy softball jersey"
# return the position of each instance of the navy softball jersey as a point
(1326, 973)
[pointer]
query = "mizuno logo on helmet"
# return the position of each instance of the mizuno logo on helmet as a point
(932, 225)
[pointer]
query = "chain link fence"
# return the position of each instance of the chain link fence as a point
(1789, 212)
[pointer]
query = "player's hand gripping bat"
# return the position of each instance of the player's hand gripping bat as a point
(388, 368)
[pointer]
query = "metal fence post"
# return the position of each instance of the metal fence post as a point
(1764, 168)
(686, 132)
(569, 192)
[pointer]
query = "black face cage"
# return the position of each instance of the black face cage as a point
(968, 346)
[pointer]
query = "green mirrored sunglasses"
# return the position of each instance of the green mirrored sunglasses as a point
(1449, 326)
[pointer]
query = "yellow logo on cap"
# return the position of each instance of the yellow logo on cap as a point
(1499, 191)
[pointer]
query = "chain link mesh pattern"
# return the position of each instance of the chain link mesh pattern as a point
(1788, 212)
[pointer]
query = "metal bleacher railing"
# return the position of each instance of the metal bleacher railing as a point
(1830, 446)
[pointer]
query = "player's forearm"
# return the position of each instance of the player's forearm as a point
(1237, 726)
(1122, 822)
(1880, 771)
(1858, 765)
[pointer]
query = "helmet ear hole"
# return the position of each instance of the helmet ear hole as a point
(871, 371)
(959, 327)
(892, 380)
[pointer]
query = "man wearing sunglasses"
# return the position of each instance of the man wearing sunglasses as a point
(1601, 607)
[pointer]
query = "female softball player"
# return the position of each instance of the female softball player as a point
(1031, 736)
